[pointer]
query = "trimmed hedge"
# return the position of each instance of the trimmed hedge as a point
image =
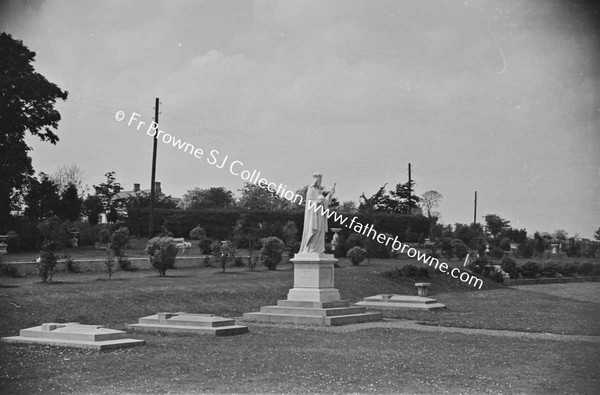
(219, 223)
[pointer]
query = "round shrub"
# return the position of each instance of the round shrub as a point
(271, 252)
(197, 233)
(459, 248)
(118, 246)
(356, 255)
(585, 269)
(354, 240)
(46, 263)
(568, 269)
(510, 266)
(222, 253)
(530, 269)
(550, 269)
(205, 245)
(161, 252)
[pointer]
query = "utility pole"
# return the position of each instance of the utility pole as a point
(475, 209)
(409, 188)
(153, 180)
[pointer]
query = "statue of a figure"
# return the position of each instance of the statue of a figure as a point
(315, 224)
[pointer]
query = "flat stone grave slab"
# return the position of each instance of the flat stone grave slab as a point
(73, 334)
(395, 301)
(181, 322)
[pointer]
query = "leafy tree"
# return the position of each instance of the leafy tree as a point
(142, 200)
(348, 206)
(93, 208)
(215, 197)
(597, 234)
(378, 202)
(222, 252)
(561, 234)
(246, 232)
(67, 175)
(70, 203)
(431, 200)
(107, 191)
(495, 225)
(42, 199)
(257, 198)
(290, 234)
(27, 101)
(400, 200)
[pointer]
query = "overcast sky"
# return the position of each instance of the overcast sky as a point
(499, 97)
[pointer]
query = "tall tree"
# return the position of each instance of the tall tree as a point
(215, 197)
(66, 175)
(42, 199)
(257, 198)
(107, 192)
(495, 225)
(70, 203)
(400, 200)
(27, 101)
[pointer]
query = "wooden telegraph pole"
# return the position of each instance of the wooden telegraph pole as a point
(153, 180)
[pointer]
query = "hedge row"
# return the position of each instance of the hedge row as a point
(219, 223)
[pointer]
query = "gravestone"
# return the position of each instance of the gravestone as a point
(73, 334)
(397, 302)
(313, 300)
(201, 324)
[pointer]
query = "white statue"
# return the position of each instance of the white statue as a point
(315, 224)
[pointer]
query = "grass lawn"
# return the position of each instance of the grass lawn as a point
(301, 360)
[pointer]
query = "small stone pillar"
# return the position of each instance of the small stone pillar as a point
(422, 288)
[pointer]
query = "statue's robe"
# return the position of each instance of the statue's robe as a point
(315, 224)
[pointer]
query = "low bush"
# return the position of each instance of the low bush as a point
(205, 244)
(8, 270)
(585, 269)
(477, 265)
(510, 266)
(530, 269)
(197, 233)
(550, 269)
(271, 252)
(356, 255)
(72, 266)
(46, 263)
(406, 271)
(568, 269)
(162, 252)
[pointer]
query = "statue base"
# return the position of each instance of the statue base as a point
(313, 300)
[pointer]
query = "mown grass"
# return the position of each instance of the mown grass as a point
(299, 360)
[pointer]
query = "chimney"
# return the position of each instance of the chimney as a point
(157, 188)
(136, 187)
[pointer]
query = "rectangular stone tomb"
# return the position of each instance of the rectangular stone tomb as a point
(313, 300)
(394, 301)
(73, 334)
(202, 324)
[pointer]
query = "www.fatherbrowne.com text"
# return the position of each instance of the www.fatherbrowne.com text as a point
(236, 168)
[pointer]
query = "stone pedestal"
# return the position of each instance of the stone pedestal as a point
(313, 300)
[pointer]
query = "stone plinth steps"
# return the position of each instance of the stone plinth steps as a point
(313, 300)
(201, 324)
(73, 334)
(393, 301)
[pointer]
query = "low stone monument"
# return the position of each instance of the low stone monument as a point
(314, 300)
(397, 302)
(200, 324)
(73, 334)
